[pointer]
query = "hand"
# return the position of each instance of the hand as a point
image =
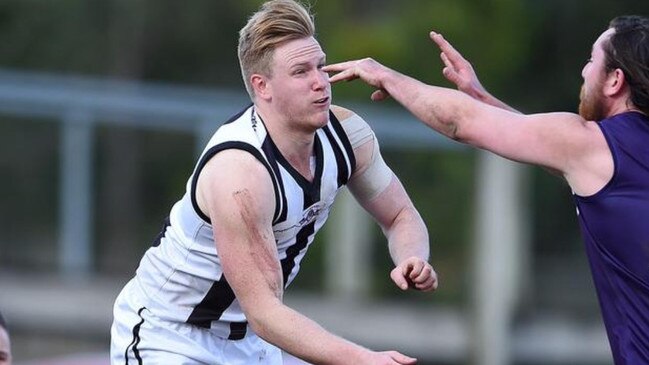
(391, 358)
(415, 272)
(457, 69)
(366, 69)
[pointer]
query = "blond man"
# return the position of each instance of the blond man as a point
(210, 290)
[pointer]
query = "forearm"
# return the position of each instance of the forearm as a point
(444, 110)
(408, 236)
(304, 338)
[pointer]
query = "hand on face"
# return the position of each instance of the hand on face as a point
(366, 69)
(415, 273)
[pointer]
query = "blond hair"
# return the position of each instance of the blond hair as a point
(276, 22)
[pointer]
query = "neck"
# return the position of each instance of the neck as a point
(623, 106)
(295, 144)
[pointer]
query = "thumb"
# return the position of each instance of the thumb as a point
(402, 359)
(380, 95)
(399, 278)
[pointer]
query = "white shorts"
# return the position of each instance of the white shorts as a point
(139, 337)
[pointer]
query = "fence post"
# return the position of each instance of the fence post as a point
(76, 198)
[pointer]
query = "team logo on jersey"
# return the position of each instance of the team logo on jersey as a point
(309, 215)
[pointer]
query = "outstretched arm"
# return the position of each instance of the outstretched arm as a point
(460, 72)
(241, 214)
(560, 141)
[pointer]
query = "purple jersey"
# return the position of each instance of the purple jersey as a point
(615, 227)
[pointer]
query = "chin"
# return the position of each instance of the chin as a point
(323, 118)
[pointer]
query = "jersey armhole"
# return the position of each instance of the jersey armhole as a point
(221, 147)
(612, 181)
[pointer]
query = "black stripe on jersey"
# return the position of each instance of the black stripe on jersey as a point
(238, 330)
(211, 308)
(310, 189)
(136, 339)
(343, 173)
(345, 141)
(163, 231)
(301, 241)
(224, 146)
(268, 149)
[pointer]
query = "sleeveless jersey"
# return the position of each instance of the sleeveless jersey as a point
(180, 278)
(615, 227)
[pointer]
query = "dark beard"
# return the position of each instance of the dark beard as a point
(591, 107)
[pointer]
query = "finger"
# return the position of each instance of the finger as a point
(340, 66)
(430, 284)
(415, 271)
(406, 267)
(346, 75)
(423, 275)
(451, 75)
(453, 55)
(399, 279)
(445, 59)
(426, 285)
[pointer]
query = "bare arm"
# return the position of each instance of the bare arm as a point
(460, 72)
(241, 214)
(380, 193)
(561, 141)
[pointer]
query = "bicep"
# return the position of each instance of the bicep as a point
(553, 140)
(241, 207)
(375, 186)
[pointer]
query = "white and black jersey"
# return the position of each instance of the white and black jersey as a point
(180, 278)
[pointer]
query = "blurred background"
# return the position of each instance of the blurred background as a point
(105, 104)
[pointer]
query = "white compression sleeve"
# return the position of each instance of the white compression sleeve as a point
(377, 176)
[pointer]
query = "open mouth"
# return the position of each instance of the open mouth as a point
(322, 101)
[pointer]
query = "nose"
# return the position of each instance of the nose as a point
(321, 80)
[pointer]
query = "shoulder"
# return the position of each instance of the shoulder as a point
(358, 131)
(234, 166)
(229, 173)
(341, 113)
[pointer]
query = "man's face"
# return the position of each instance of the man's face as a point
(592, 105)
(5, 348)
(300, 90)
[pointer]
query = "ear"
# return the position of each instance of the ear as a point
(260, 86)
(615, 83)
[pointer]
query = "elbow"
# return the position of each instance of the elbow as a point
(462, 134)
(258, 323)
(449, 121)
(460, 126)
(455, 129)
(259, 316)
